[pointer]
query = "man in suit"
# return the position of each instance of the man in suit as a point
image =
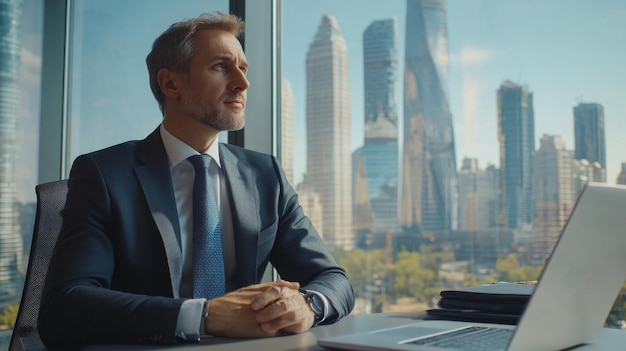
(123, 271)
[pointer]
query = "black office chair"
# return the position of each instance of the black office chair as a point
(50, 202)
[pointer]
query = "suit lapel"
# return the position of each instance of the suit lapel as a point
(156, 182)
(245, 215)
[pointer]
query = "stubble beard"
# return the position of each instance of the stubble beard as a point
(210, 115)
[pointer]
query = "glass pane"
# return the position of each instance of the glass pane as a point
(109, 94)
(21, 30)
(438, 144)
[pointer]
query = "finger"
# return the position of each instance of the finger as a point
(291, 303)
(291, 319)
(288, 284)
(263, 286)
(296, 328)
(267, 297)
(274, 291)
(230, 316)
(258, 287)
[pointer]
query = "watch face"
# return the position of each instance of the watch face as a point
(316, 304)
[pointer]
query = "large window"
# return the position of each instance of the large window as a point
(21, 31)
(98, 95)
(443, 143)
(109, 96)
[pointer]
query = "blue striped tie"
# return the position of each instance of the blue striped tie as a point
(208, 260)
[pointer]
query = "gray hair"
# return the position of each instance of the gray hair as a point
(174, 48)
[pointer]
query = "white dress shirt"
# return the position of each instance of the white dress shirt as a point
(182, 172)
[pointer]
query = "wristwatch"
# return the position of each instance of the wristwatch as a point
(316, 302)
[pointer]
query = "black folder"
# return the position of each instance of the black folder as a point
(491, 303)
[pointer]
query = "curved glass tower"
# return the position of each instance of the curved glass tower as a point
(429, 196)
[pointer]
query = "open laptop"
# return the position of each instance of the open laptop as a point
(570, 304)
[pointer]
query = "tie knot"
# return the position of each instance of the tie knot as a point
(201, 161)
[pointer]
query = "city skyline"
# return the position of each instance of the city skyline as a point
(490, 49)
(496, 45)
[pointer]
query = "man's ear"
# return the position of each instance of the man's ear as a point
(169, 82)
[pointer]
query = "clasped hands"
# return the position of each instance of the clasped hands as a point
(260, 310)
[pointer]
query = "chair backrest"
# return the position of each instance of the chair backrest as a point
(50, 201)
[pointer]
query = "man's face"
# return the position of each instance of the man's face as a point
(215, 88)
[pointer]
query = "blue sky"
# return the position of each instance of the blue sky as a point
(564, 51)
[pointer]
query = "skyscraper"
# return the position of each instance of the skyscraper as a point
(621, 177)
(585, 171)
(310, 202)
(554, 193)
(362, 215)
(329, 170)
(286, 130)
(478, 196)
(589, 138)
(10, 239)
(516, 135)
(380, 148)
(429, 195)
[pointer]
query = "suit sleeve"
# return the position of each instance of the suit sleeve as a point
(301, 255)
(79, 305)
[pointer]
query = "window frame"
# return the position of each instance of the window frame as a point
(260, 45)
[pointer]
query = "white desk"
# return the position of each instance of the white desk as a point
(608, 340)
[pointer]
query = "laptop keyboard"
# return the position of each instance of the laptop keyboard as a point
(470, 339)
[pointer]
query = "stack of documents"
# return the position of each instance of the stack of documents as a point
(490, 303)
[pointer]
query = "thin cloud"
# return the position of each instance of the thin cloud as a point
(30, 72)
(472, 57)
(471, 92)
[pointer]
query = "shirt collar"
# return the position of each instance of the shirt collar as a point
(177, 151)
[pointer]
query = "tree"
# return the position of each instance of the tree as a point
(9, 315)
(618, 313)
(362, 266)
(434, 258)
(410, 279)
(509, 270)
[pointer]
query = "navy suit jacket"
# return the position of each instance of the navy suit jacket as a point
(115, 273)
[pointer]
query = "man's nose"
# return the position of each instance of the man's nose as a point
(239, 81)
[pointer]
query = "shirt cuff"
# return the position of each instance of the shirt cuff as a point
(190, 320)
